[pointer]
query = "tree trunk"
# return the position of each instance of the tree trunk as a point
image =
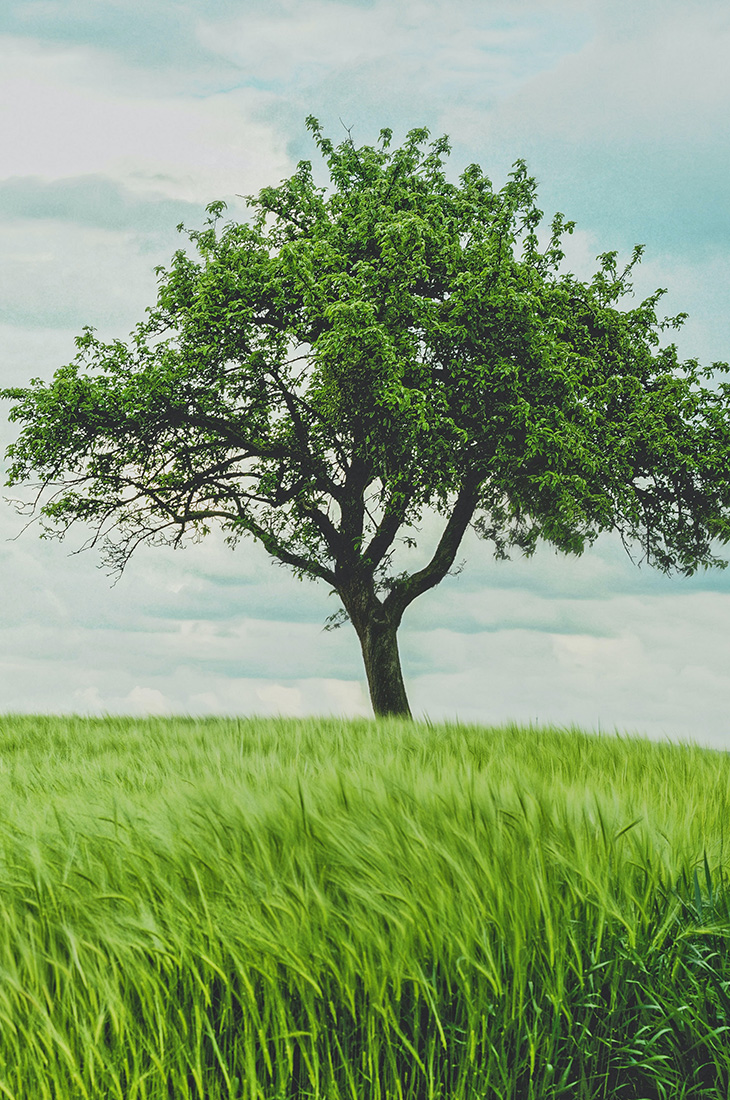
(377, 630)
(379, 643)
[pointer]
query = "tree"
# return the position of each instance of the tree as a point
(353, 356)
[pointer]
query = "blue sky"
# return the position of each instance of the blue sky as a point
(120, 119)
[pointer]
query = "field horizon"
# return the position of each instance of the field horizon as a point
(328, 908)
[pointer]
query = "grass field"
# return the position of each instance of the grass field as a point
(285, 909)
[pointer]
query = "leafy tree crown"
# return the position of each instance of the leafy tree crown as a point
(352, 355)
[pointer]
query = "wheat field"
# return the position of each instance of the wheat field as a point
(279, 909)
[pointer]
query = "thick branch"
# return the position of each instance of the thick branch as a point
(352, 508)
(301, 430)
(382, 540)
(408, 588)
(270, 542)
(272, 545)
(325, 526)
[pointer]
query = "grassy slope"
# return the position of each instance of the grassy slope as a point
(353, 909)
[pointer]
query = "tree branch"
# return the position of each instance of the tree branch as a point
(272, 545)
(258, 449)
(393, 516)
(408, 588)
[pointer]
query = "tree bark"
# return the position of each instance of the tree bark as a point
(376, 621)
(377, 630)
(379, 643)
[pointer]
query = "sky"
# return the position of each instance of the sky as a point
(120, 119)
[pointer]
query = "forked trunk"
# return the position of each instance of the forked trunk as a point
(379, 643)
(377, 631)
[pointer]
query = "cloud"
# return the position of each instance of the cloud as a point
(145, 700)
(398, 63)
(290, 43)
(663, 672)
(628, 133)
(83, 251)
(28, 351)
(637, 82)
(143, 33)
(311, 697)
(61, 275)
(92, 201)
(71, 117)
(103, 170)
(121, 119)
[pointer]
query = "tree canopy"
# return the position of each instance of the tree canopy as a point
(355, 354)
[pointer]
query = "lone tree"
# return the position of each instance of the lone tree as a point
(356, 355)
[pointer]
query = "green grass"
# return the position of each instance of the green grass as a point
(288, 909)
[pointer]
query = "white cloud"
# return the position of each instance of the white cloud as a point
(405, 61)
(89, 700)
(295, 698)
(280, 699)
(667, 80)
(584, 652)
(315, 696)
(144, 700)
(65, 276)
(30, 351)
(655, 665)
(300, 44)
(62, 119)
